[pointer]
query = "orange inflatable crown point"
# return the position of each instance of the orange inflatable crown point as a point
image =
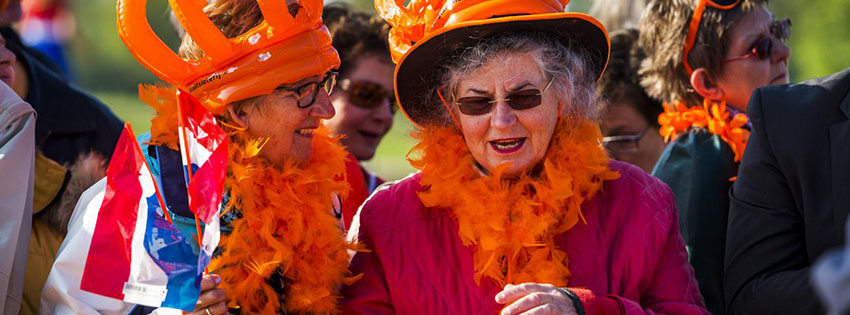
(419, 18)
(289, 45)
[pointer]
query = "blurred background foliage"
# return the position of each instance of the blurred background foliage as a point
(101, 64)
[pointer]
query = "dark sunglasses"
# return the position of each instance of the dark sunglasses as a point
(306, 93)
(519, 100)
(366, 94)
(763, 48)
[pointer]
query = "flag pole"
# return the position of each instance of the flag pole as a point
(188, 161)
(144, 160)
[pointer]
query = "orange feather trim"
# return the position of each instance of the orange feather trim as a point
(512, 223)
(164, 123)
(713, 116)
(287, 224)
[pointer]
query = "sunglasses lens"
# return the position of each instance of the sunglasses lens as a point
(781, 29)
(369, 95)
(475, 105)
(524, 99)
(763, 48)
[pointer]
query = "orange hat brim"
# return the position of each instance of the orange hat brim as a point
(419, 70)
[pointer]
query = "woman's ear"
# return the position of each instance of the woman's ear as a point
(238, 116)
(704, 84)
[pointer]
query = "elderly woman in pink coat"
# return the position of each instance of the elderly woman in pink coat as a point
(516, 208)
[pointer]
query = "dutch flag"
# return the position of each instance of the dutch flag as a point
(122, 249)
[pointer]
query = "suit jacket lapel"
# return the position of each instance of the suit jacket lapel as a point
(839, 135)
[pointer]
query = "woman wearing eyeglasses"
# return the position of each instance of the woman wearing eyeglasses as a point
(282, 248)
(516, 208)
(364, 101)
(630, 121)
(705, 60)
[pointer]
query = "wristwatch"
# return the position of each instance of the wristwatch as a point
(576, 301)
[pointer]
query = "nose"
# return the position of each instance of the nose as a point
(503, 115)
(322, 108)
(781, 52)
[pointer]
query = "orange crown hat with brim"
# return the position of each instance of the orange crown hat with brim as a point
(289, 45)
(426, 34)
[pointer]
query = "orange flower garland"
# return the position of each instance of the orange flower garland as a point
(512, 223)
(286, 222)
(712, 116)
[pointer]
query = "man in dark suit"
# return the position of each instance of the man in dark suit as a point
(792, 196)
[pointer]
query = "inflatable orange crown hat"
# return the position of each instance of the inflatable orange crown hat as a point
(421, 17)
(426, 34)
(289, 45)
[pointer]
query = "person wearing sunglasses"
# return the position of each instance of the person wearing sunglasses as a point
(629, 123)
(282, 248)
(516, 208)
(705, 59)
(363, 100)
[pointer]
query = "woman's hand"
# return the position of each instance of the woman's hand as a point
(535, 298)
(212, 300)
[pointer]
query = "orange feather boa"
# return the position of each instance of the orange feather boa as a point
(286, 222)
(712, 116)
(512, 223)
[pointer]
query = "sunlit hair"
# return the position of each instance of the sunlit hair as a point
(663, 30)
(573, 83)
(618, 14)
(356, 35)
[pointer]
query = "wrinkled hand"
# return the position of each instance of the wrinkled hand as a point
(535, 298)
(212, 300)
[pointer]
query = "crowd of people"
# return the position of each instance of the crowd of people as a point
(653, 160)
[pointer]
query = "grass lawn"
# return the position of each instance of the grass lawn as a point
(389, 161)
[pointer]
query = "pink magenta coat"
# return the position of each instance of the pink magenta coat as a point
(628, 259)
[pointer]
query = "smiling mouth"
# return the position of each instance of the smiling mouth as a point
(369, 135)
(506, 146)
(307, 132)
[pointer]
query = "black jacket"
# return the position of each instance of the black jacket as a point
(792, 196)
(69, 122)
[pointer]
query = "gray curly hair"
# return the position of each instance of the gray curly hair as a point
(573, 82)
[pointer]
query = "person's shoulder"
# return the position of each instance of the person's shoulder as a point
(804, 101)
(697, 147)
(394, 203)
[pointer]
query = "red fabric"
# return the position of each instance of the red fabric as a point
(628, 259)
(108, 263)
(205, 146)
(358, 193)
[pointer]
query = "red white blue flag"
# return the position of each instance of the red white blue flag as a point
(203, 147)
(135, 254)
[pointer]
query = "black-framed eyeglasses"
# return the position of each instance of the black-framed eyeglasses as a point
(306, 94)
(624, 143)
(519, 100)
(763, 48)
